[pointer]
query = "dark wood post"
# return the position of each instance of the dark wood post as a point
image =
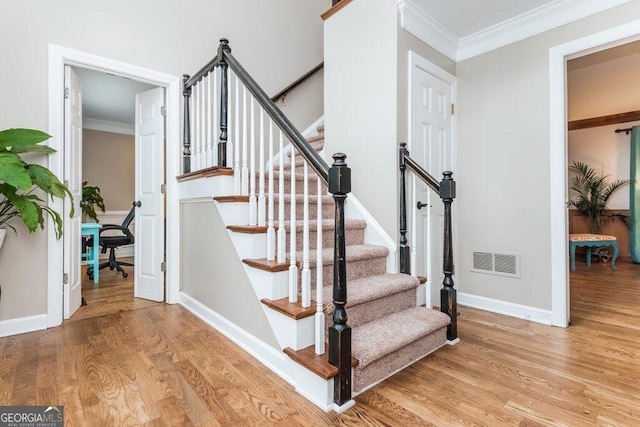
(340, 332)
(224, 101)
(186, 131)
(448, 298)
(405, 252)
(335, 2)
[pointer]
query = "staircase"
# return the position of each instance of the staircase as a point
(389, 331)
(289, 229)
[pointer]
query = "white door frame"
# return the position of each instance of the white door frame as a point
(558, 193)
(417, 61)
(59, 57)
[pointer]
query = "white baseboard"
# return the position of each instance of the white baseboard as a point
(532, 314)
(275, 360)
(23, 325)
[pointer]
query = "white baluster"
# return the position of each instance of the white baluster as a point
(306, 272)
(196, 99)
(210, 129)
(237, 174)
(293, 269)
(253, 199)
(282, 233)
(193, 124)
(216, 119)
(271, 231)
(319, 317)
(262, 201)
(245, 138)
(414, 221)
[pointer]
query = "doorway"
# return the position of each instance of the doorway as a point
(558, 57)
(58, 58)
(431, 144)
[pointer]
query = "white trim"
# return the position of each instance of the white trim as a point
(58, 58)
(107, 126)
(532, 314)
(416, 21)
(275, 360)
(558, 56)
(536, 21)
(23, 325)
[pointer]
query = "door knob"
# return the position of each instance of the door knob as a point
(421, 205)
(137, 204)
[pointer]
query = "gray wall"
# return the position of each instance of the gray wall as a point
(504, 159)
(276, 41)
(213, 274)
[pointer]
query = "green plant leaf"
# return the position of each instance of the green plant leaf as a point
(21, 137)
(12, 171)
(42, 149)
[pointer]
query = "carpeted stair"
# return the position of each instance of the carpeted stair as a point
(389, 331)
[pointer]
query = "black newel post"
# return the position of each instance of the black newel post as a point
(186, 131)
(340, 332)
(448, 299)
(224, 101)
(335, 2)
(405, 253)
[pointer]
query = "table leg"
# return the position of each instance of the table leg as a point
(96, 258)
(615, 255)
(588, 256)
(572, 255)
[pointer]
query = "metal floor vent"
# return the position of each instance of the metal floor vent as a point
(496, 263)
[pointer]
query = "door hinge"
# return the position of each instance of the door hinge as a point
(65, 279)
(66, 93)
(453, 108)
(163, 266)
(163, 110)
(163, 188)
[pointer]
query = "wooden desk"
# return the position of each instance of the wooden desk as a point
(92, 256)
(592, 241)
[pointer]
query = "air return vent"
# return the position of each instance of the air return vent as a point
(496, 263)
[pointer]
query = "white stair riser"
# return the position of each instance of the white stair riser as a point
(296, 334)
(268, 285)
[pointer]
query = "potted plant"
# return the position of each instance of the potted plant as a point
(91, 198)
(21, 182)
(592, 193)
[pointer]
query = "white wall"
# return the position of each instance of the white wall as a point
(360, 101)
(504, 159)
(276, 41)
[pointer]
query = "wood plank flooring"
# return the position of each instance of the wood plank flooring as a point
(125, 362)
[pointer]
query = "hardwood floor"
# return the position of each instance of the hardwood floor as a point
(142, 363)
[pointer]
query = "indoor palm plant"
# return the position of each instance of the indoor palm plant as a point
(91, 198)
(21, 183)
(592, 193)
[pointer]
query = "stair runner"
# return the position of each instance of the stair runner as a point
(389, 331)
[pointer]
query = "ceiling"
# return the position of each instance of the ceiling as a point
(107, 97)
(466, 17)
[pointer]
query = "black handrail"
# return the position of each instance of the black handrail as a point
(446, 189)
(284, 92)
(310, 155)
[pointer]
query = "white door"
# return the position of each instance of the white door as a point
(431, 147)
(72, 288)
(149, 237)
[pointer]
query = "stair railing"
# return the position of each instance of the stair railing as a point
(224, 95)
(446, 189)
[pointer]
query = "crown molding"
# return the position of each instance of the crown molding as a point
(107, 126)
(536, 21)
(416, 21)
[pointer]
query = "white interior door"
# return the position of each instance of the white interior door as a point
(431, 147)
(150, 232)
(72, 288)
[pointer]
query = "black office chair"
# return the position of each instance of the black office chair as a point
(111, 242)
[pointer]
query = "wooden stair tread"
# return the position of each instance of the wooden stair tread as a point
(266, 265)
(318, 364)
(231, 199)
(294, 310)
(205, 173)
(248, 229)
(422, 279)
